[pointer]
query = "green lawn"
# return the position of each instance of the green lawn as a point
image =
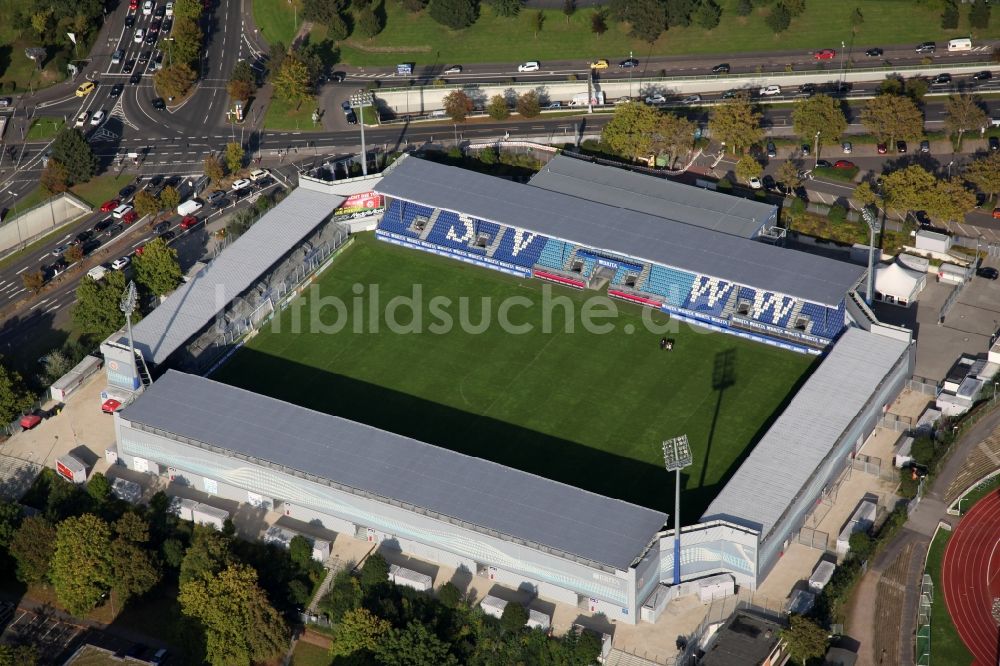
(307, 654)
(500, 40)
(946, 645)
(280, 115)
(101, 188)
(586, 408)
(276, 19)
(44, 128)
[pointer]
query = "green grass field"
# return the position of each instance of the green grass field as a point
(280, 115)
(947, 646)
(276, 19)
(586, 408)
(497, 40)
(44, 128)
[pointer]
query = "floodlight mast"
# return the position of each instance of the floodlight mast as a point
(677, 456)
(872, 222)
(360, 100)
(127, 306)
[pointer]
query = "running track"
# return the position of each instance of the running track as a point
(971, 578)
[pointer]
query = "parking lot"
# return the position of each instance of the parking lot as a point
(53, 637)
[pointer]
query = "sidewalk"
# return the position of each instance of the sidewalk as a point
(931, 510)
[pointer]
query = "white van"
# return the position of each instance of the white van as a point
(188, 207)
(964, 44)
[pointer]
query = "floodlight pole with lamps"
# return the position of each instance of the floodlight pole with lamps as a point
(127, 306)
(677, 456)
(816, 149)
(630, 68)
(360, 100)
(949, 169)
(872, 222)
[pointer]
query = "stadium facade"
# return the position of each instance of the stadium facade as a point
(718, 270)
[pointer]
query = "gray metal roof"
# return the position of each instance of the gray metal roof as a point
(474, 490)
(690, 248)
(786, 457)
(193, 305)
(664, 198)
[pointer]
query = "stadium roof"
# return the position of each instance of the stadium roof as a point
(690, 248)
(781, 464)
(664, 198)
(193, 305)
(469, 489)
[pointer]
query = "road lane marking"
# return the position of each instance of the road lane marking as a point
(22, 270)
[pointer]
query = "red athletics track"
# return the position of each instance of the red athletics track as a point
(971, 578)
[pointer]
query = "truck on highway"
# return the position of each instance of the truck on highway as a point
(585, 99)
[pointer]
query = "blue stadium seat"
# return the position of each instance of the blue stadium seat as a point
(554, 254)
(399, 216)
(766, 306)
(670, 283)
(520, 247)
(459, 231)
(622, 272)
(826, 322)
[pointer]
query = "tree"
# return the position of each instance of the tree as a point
(242, 82)
(805, 639)
(32, 546)
(175, 80)
(455, 14)
(648, 19)
(506, 8)
(915, 188)
(322, 11)
(15, 398)
(963, 114)
(856, 19)
(865, 195)
(73, 254)
(276, 58)
(599, 21)
(497, 108)
(234, 157)
(71, 149)
(538, 21)
(861, 545)
(744, 7)
(135, 569)
(528, 105)
(145, 203)
(156, 269)
(300, 551)
(213, 168)
(795, 7)
(821, 114)
(979, 15)
(514, 617)
(170, 198)
(569, 8)
(184, 46)
(96, 312)
(916, 88)
(374, 571)
(679, 12)
(54, 177)
(99, 488)
(414, 6)
(891, 117)
(33, 281)
(359, 631)
(292, 82)
(337, 29)
(949, 16)
(951, 200)
(206, 556)
(747, 167)
(369, 22)
(707, 14)
(638, 130)
(18, 655)
(788, 174)
(449, 595)
(736, 123)
(11, 517)
(81, 564)
(241, 627)
(984, 173)
(344, 595)
(778, 19)
(173, 553)
(458, 105)
(189, 9)
(414, 645)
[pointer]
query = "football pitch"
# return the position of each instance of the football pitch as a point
(589, 407)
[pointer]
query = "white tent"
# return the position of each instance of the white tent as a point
(897, 285)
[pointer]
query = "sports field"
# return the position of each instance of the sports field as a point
(588, 408)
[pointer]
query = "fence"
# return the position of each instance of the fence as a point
(923, 385)
(896, 423)
(813, 538)
(923, 655)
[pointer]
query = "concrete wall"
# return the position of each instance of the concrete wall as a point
(437, 540)
(28, 226)
(424, 99)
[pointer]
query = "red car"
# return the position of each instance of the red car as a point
(133, 5)
(110, 406)
(29, 421)
(109, 205)
(130, 217)
(996, 213)
(825, 54)
(139, 250)
(843, 164)
(188, 222)
(882, 149)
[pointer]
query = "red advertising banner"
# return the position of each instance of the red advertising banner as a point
(365, 202)
(579, 284)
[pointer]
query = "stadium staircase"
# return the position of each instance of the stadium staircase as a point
(568, 264)
(140, 366)
(640, 284)
(430, 224)
(492, 247)
(796, 311)
(731, 303)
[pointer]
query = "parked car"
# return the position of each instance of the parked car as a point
(823, 164)
(352, 118)
(980, 199)
(530, 66)
(240, 184)
(994, 143)
(215, 196)
(825, 54)
(721, 69)
(110, 406)
(874, 52)
(188, 222)
(755, 183)
(843, 164)
(29, 421)
(882, 148)
(987, 272)
(925, 146)
(120, 263)
(221, 203)
(900, 146)
(167, 236)
(996, 213)
(768, 91)
(769, 183)
(772, 150)
(806, 150)
(161, 227)
(847, 147)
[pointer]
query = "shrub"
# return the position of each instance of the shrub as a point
(798, 206)
(449, 595)
(837, 214)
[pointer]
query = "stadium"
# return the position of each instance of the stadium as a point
(531, 460)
